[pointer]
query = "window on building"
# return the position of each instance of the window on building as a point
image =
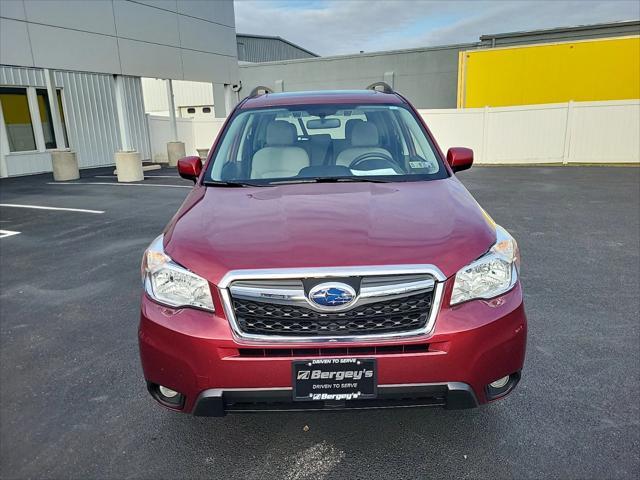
(62, 119)
(46, 118)
(191, 110)
(17, 118)
(206, 110)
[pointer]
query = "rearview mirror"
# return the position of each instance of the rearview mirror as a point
(323, 123)
(460, 158)
(190, 168)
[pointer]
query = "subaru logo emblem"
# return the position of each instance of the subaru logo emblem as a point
(332, 296)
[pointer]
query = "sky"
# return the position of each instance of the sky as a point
(335, 27)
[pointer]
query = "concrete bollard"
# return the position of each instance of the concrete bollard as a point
(65, 165)
(129, 167)
(202, 153)
(175, 151)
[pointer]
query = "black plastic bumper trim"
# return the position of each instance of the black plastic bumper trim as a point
(218, 402)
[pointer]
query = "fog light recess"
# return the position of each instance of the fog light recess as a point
(166, 395)
(502, 386)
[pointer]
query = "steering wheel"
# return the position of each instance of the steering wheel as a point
(378, 161)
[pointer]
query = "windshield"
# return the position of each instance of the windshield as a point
(311, 143)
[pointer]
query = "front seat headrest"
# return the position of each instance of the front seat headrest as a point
(365, 135)
(348, 127)
(280, 133)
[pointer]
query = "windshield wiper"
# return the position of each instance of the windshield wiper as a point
(329, 180)
(220, 183)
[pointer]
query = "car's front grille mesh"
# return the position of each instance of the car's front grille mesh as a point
(403, 314)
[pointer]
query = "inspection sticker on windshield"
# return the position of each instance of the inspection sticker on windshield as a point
(334, 379)
(419, 164)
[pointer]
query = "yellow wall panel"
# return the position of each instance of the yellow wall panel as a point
(592, 70)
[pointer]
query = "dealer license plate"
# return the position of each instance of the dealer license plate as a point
(334, 379)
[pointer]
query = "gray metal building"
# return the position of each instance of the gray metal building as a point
(428, 76)
(562, 34)
(264, 48)
(197, 97)
(70, 73)
(88, 118)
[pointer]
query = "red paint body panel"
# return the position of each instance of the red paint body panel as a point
(323, 225)
(436, 222)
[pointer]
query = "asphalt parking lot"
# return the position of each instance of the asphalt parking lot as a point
(73, 403)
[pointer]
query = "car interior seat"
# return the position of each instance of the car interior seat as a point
(348, 128)
(342, 144)
(280, 157)
(364, 139)
(319, 146)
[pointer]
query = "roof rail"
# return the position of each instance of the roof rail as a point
(260, 90)
(380, 87)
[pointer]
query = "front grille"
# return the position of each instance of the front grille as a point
(402, 314)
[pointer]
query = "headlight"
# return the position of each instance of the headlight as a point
(167, 282)
(492, 274)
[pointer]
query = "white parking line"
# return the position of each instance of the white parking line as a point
(121, 184)
(146, 176)
(163, 176)
(40, 207)
(8, 233)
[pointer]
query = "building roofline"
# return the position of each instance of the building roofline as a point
(576, 28)
(459, 46)
(275, 37)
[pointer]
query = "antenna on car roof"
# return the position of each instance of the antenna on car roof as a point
(260, 90)
(382, 87)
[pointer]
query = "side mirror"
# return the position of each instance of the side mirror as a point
(190, 168)
(460, 158)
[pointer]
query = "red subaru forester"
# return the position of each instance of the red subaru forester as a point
(327, 257)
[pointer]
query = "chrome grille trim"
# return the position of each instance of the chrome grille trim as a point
(330, 272)
(282, 295)
(388, 291)
(369, 293)
(296, 296)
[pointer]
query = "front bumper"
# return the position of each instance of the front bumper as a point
(218, 402)
(195, 353)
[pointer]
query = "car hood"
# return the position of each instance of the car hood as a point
(322, 225)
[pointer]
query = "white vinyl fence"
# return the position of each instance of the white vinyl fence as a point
(574, 132)
(194, 133)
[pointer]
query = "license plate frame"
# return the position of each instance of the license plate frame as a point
(360, 384)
